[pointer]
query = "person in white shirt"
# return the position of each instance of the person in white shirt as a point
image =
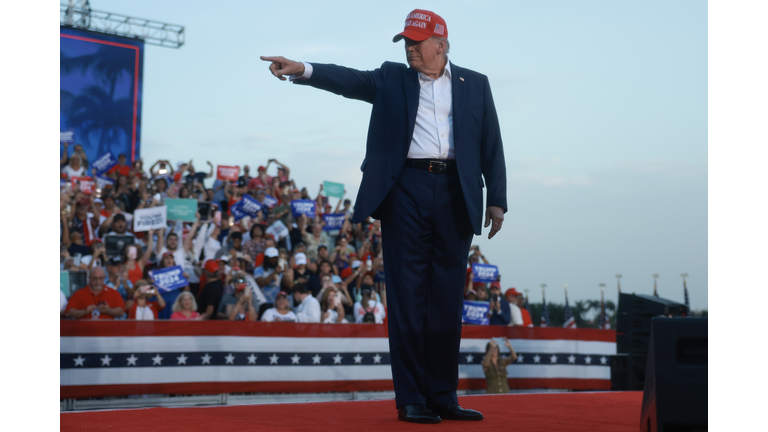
(308, 308)
(281, 312)
(372, 306)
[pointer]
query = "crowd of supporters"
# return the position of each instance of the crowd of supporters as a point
(235, 270)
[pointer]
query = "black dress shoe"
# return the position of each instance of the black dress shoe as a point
(417, 414)
(455, 412)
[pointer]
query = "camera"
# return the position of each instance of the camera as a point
(494, 298)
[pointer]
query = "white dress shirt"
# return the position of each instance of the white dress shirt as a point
(308, 311)
(433, 133)
(516, 315)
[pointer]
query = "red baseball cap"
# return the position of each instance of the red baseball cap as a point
(262, 168)
(421, 25)
(513, 292)
(211, 266)
(496, 284)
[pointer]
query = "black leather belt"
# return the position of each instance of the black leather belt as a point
(433, 165)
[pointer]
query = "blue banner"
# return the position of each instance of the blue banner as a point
(333, 221)
(250, 206)
(237, 211)
(102, 182)
(104, 163)
(300, 207)
(475, 312)
(67, 136)
(484, 273)
(168, 279)
(270, 201)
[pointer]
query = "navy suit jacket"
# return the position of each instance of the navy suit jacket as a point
(393, 89)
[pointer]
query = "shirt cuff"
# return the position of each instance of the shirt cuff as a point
(307, 72)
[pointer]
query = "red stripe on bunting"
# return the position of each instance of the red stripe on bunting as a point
(79, 392)
(255, 329)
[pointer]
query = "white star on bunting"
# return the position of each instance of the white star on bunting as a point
(337, 359)
(273, 359)
(206, 359)
(252, 359)
(572, 359)
(377, 359)
(519, 358)
(553, 359)
(132, 360)
(587, 360)
(79, 360)
(105, 360)
(182, 359)
(316, 359)
(295, 359)
(157, 360)
(536, 359)
(603, 360)
(470, 358)
(230, 359)
(358, 359)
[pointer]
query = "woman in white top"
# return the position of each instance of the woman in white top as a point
(74, 168)
(333, 311)
(372, 306)
(281, 312)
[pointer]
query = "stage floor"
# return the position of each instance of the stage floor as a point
(594, 412)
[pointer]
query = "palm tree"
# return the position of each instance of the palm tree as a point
(95, 112)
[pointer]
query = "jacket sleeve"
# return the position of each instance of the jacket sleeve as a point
(344, 81)
(492, 154)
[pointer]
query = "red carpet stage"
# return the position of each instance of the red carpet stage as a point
(594, 412)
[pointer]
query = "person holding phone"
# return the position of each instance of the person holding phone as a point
(143, 308)
(498, 313)
(495, 366)
(95, 301)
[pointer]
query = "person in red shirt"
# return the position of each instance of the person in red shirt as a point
(143, 308)
(261, 181)
(121, 168)
(95, 301)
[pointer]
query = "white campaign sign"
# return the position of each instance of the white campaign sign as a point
(151, 218)
(278, 229)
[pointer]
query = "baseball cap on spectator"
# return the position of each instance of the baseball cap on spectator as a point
(211, 266)
(421, 25)
(114, 261)
(281, 294)
(271, 252)
(356, 263)
(347, 201)
(167, 253)
(118, 217)
(98, 200)
(224, 258)
(321, 246)
(347, 272)
(470, 291)
(262, 168)
(300, 258)
(496, 284)
(513, 292)
(336, 279)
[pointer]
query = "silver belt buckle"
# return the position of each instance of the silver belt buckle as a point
(440, 167)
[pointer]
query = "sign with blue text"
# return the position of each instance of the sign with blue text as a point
(484, 273)
(333, 221)
(169, 278)
(104, 163)
(300, 207)
(475, 312)
(270, 201)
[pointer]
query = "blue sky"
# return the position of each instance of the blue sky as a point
(602, 105)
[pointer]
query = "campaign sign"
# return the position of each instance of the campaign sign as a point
(484, 273)
(270, 201)
(250, 206)
(300, 207)
(102, 182)
(237, 211)
(333, 221)
(333, 189)
(86, 184)
(169, 278)
(104, 163)
(224, 172)
(67, 136)
(181, 209)
(151, 218)
(475, 312)
(278, 230)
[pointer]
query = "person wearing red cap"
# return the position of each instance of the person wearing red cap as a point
(433, 143)
(515, 298)
(262, 180)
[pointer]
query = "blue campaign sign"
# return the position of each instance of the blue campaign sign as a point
(67, 136)
(300, 207)
(484, 273)
(104, 163)
(249, 205)
(169, 279)
(102, 182)
(270, 201)
(237, 211)
(475, 312)
(333, 221)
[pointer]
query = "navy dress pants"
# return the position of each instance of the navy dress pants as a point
(426, 235)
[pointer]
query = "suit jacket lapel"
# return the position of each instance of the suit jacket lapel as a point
(457, 90)
(411, 87)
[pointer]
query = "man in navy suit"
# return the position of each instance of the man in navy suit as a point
(433, 136)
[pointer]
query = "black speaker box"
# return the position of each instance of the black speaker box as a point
(675, 395)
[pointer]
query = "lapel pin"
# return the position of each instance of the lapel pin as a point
(461, 78)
